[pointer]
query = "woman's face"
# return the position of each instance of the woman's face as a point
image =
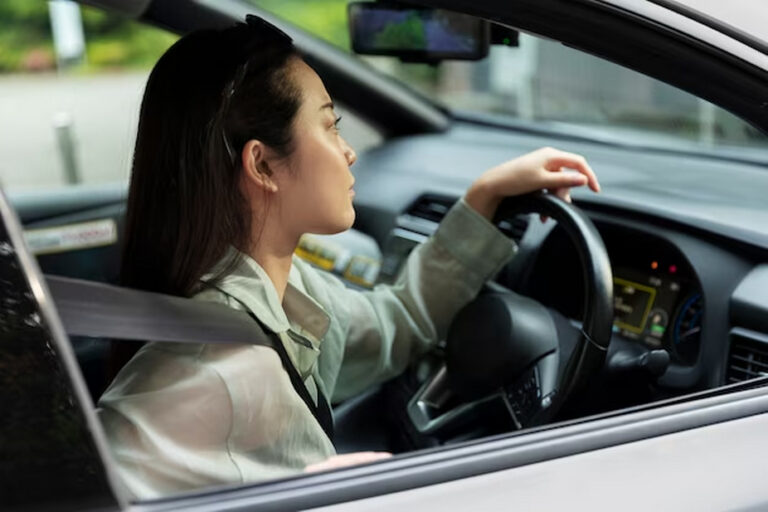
(315, 186)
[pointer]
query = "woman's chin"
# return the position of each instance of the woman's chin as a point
(352, 216)
(349, 220)
(341, 224)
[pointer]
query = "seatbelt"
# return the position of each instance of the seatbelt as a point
(99, 310)
(321, 411)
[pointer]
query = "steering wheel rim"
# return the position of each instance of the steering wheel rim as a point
(588, 356)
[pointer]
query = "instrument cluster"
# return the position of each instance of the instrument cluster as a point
(657, 296)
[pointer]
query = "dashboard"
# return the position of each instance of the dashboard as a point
(658, 299)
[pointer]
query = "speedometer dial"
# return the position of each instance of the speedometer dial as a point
(687, 329)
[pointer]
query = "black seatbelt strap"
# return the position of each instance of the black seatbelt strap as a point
(100, 310)
(321, 411)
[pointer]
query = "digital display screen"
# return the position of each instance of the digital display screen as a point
(632, 304)
(376, 28)
(644, 303)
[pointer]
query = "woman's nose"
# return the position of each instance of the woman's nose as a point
(349, 153)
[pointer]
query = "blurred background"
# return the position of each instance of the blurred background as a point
(71, 80)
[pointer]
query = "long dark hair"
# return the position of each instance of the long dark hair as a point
(210, 93)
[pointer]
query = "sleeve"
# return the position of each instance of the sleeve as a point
(167, 420)
(228, 415)
(389, 325)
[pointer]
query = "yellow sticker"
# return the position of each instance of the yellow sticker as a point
(320, 254)
(362, 270)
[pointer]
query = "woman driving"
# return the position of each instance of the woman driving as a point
(238, 154)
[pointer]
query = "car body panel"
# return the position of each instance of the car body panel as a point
(718, 467)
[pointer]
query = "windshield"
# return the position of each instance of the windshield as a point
(541, 81)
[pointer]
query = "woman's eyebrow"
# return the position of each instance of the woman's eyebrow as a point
(327, 105)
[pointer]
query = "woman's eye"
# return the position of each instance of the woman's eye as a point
(336, 123)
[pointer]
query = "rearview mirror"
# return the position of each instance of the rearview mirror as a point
(416, 34)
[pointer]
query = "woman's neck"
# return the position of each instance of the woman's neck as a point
(273, 251)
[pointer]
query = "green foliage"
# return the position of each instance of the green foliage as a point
(24, 27)
(125, 45)
(326, 19)
(111, 41)
(32, 13)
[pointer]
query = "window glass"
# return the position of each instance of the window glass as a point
(542, 81)
(70, 103)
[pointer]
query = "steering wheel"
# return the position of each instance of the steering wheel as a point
(504, 345)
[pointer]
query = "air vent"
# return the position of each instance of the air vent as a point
(749, 355)
(433, 208)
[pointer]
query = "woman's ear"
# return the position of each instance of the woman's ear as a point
(256, 170)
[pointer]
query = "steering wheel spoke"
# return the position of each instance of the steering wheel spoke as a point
(435, 410)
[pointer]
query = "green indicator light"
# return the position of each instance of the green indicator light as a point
(506, 40)
(657, 328)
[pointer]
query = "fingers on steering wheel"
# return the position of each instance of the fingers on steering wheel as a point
(563, 193)
(576, 162)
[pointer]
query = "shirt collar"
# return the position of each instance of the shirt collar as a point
(249, 283)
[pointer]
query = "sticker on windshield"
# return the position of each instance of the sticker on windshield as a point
(72, 237)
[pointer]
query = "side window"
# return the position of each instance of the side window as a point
(72, 79)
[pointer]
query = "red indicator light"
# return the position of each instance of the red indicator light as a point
(672, 269)
(654, 265)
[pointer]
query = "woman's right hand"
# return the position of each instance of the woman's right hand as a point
(541, 169)
(347, 459)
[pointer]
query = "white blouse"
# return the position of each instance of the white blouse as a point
(182, 416)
